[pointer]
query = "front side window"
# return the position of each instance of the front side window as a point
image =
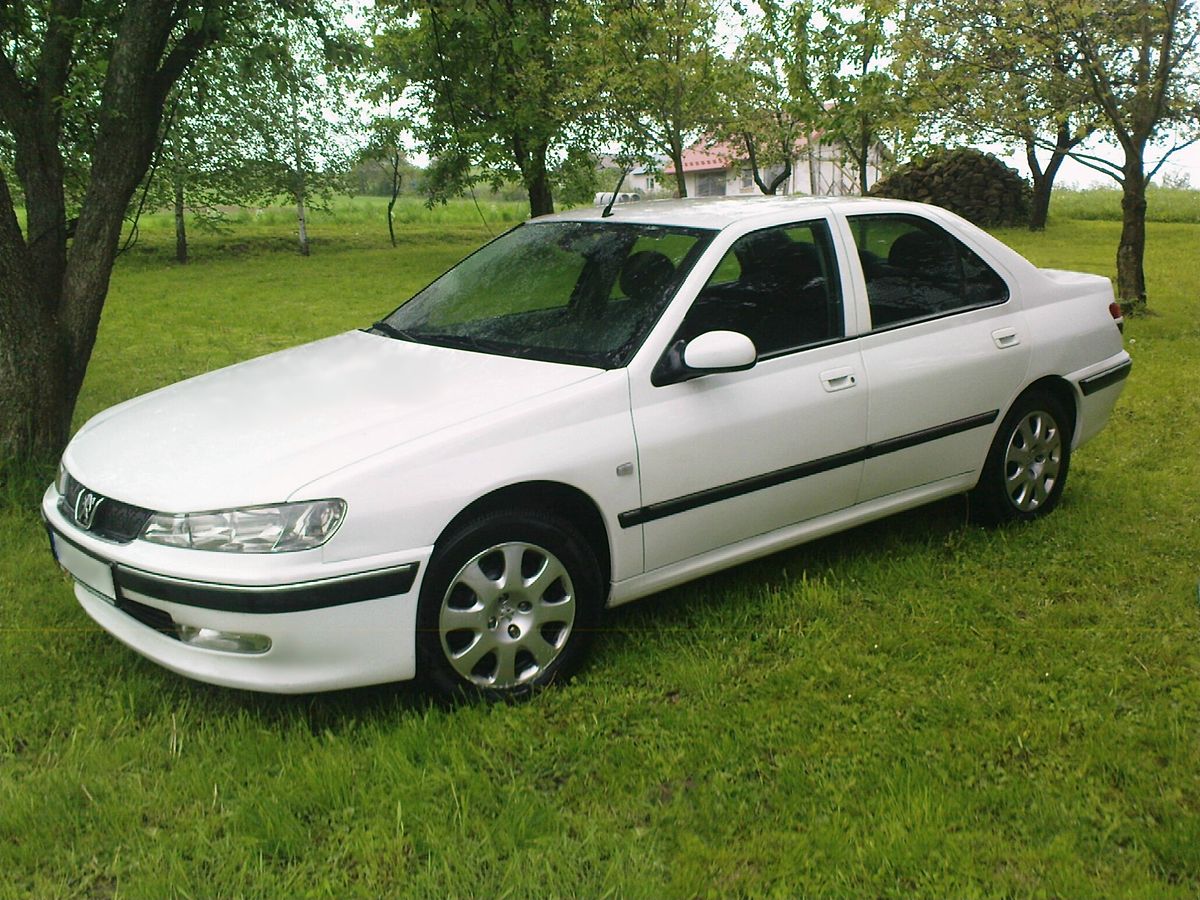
(916, 270)
(573, 292)
(779, 287)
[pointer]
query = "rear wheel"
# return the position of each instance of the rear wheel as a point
(1026, 467)
(508, 605)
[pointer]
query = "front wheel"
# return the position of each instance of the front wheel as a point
(508, 605)
(1026, 467)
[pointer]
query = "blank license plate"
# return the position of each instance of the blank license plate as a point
(95, 574)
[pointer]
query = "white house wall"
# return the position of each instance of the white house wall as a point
(820, 173)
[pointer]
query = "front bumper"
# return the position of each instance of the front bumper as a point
(323, 630)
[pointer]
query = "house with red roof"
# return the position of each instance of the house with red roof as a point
(818, 168)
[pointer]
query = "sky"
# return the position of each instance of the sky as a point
(1185, 162)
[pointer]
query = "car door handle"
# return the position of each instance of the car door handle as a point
(838, 379)
(1006, 337)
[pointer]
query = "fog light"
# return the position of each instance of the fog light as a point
(228, 641)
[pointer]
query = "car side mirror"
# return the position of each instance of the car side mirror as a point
(713, 351)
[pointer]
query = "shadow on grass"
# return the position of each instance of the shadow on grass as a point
(334, 712)
(824, 558)
(704, 602)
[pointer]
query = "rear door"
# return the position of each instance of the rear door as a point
(946, 351)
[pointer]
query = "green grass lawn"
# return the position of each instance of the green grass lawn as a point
(916, 707)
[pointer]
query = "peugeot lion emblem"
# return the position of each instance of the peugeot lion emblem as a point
(86, 506)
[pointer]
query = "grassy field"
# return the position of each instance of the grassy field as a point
(917, 707)
(1104, 204)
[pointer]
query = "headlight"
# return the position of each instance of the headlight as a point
(254, 529)
(60, 483)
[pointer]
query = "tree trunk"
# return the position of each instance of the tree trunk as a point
(181, 246)
(541, 199)
(298, 189)
(532, 163)
(1039, 203)
(51, 297)
(1131, 251)
(863, 173)
(301, 215)
(768, 189)
(35, 418)
(1043, 180)
(396, 177)
(677, 160)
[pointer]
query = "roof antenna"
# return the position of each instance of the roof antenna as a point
(613, 199)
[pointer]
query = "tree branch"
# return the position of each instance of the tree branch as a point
(54, 63)
(181, 56)
(14, 97)
(1175, 148)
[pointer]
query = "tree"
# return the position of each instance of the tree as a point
(385, 146)
(1138, 66)
(204, 162)
(764, 120)
(660, 69)
(848, 48)
(974, 60)
(303, 67)
(387, 131)
(83, 88)
(110, 67)
(500, 82)
(837, 76)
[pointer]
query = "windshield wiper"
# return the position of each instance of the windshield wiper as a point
(393, 332)
(457, 341)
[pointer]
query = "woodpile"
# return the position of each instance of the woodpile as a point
(977, 186)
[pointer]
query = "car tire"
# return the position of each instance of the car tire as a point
(1026, 467)
(508, 605)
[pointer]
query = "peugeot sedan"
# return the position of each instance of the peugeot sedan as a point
(593, 407)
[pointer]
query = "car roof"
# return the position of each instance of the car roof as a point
(715, 212)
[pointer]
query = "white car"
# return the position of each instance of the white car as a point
(587, 410)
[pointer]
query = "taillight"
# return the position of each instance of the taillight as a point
(1114, 310)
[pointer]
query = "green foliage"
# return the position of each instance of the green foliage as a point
(501, 85)
(761, 113)
(914, 708)
(265, 113)
(858, 72)
(659, 69)
(983, 81)
(977, 186)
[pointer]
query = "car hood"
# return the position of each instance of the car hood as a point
(257, 431)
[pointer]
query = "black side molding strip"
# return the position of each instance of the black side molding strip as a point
(1099, 382)
(283, 598)
(672, 507)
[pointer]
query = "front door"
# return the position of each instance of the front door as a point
(731, 455)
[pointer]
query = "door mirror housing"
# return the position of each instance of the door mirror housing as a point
(713, 351)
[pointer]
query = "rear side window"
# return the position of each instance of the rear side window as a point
(916, 270)
(779, 287)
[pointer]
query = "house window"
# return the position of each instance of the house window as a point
(710, 184)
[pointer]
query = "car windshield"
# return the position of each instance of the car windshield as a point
(585, 293)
